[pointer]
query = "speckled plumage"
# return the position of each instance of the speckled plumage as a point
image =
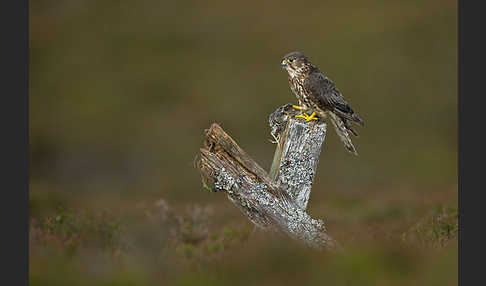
(317, 92)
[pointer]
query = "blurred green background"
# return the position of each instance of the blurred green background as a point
(121, 92)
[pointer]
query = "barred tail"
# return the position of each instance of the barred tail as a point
(342, 132)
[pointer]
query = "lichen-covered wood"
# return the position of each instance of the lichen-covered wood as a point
(297, 154)
(266, 201)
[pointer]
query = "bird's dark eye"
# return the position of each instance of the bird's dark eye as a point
(291, 60)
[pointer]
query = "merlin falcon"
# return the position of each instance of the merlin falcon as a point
(316, 92)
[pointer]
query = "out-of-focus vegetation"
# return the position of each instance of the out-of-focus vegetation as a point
(121, 92)
(410, 241)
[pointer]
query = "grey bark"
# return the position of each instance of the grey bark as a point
(275, 201)
(297, 154)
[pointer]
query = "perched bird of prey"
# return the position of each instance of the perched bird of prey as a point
(316, 92)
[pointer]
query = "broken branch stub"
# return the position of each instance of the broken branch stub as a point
(297, 153)
(224, 166)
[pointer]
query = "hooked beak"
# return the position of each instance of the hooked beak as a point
(283, 64)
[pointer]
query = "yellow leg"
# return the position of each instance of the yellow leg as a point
(299, 107)
(307, 117)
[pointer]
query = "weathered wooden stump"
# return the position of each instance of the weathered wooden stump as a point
(275, 201)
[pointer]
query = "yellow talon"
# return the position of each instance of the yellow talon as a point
(312, 117)
(307, 117)
(298, 107)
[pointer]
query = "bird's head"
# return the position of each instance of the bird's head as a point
(295, 62)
